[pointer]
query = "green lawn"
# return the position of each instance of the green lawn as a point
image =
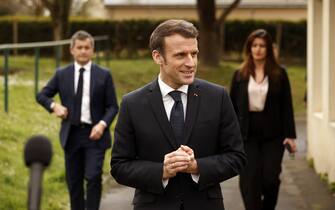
(26, 118)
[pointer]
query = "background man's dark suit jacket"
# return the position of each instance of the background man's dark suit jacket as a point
(102, 99)
(143, 136)
(278, 111)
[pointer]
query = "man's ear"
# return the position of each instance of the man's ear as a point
(71, 50)
(158, 58)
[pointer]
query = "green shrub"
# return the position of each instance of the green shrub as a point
(131, 37)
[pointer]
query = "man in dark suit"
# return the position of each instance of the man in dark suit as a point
(88, 107)
(176, 138)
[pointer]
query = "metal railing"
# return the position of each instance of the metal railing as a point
(6, 48)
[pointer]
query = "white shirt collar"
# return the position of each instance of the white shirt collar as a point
(87, 66)
(263, 82)
(166, 89)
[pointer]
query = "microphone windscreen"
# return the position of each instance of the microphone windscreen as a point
(38, 149)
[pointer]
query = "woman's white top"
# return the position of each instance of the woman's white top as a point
(257, 94)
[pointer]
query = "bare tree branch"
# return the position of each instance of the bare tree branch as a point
(211, 31)
(48, 4)
(226, 12)
(59, 12)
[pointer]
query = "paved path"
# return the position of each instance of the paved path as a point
(118, 198)
(301, 188)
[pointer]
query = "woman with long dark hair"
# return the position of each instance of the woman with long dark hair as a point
(261, 95)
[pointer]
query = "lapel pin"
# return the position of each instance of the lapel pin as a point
(195, 94)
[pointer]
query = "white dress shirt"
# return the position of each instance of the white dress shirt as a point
(168, 100)
(168, 104)
(257, 93)
(85, 103)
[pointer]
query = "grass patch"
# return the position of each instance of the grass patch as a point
(27, 118)
(324, 178)
(332, 187)
(310, 162)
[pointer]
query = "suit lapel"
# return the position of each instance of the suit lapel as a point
(193, 99)
(70, 80)
(245, 95)
(92, 81)
(269, 93)
(155, 98)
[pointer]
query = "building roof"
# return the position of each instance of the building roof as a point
(244, 3)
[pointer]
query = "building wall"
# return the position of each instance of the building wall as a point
(321, 86)
(147, 12)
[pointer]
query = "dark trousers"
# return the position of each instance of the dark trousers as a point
(83, 161)
(259, 182)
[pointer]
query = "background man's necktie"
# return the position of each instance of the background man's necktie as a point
(77, 99)
(177, 116)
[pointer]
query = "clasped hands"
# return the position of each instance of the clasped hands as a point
(180, 160)
(62, 112)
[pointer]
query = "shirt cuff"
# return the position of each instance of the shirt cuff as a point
(165, 182)
(103, 123)
(195, 177)
(52, 105)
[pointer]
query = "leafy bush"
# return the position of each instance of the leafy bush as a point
(131, 37)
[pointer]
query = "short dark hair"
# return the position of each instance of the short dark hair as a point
(168, 28)
(81, 35)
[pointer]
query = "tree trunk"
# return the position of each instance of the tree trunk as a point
(222, 39)
(279, 34)
(15, 34)
(59, 12)
(38, 8)
(222, 20)
(212, 31)
(57, 31)
(210, 51)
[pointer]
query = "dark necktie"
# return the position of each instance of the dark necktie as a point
(177, 116)
(78, 99)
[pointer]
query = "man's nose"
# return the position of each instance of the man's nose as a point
(190, 61)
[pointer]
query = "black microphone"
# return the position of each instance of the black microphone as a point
(37, 156)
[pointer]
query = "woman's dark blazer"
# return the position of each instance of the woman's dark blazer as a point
(278, 110)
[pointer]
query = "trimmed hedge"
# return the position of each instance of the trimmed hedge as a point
(293, 40)
(130, 38)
